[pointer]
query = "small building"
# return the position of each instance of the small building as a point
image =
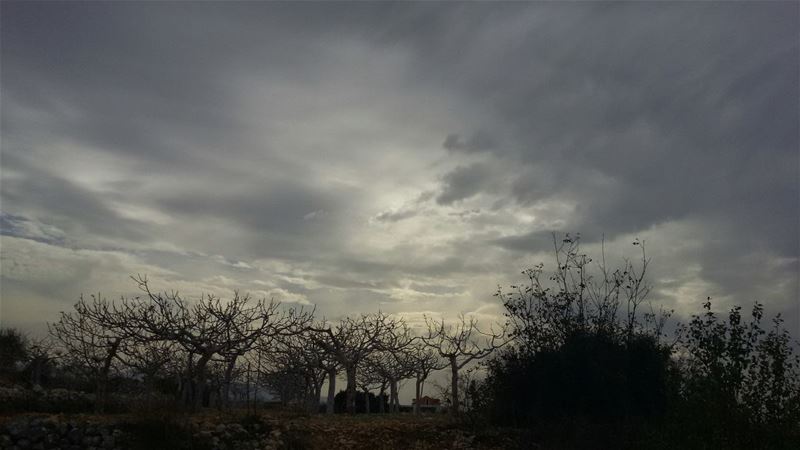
(428, 404)
(427, 401)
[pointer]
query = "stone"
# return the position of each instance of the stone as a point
(36, 433)
(75, 435)
(108, 443)
(51, 439)
(16, 429)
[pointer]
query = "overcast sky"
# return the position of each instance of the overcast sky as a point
(403, 157)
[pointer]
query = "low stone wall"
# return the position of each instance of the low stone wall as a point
(57, 432)
(236, 436)
(42, 433)
(19, 399)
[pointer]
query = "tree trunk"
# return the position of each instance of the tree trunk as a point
(381, 404)
(100, 395)
(308, 394)
(331, 391)
(226, 399)
(351, 389)
(366, 400)
(454, 387)
(200, 382)
(187, 382)
(102, 383)
(318, 394)
(247, 390)
(36, 371)
(393, 396)
(418, 393)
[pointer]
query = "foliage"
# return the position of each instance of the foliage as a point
(13, 350)
(548, 310)
(586, 357)
(575, 353)
(590, 376)
(740, 377)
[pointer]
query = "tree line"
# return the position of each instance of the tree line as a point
(199, 350)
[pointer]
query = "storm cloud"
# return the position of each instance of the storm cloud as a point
(407, 157)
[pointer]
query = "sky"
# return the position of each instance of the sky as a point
(408, 158)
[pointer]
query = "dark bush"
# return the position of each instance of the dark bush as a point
(340, 403)
(162, 431)
(13, 351)
(592, 376)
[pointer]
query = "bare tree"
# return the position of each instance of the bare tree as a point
(285, 381)
(42, 353)
(371, 376)
(331, 367)
(460, 344)
(393, 365)
(396, 363)
(299, 355)
(352, 340)
(149, 360)
(90, 340)
(424, 360)
(368, 378)
(466, 382)
(207, 328)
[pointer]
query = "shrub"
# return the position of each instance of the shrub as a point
(739, 379)
(583, 353)
(592, 376)
(13, 351)
(340, 402)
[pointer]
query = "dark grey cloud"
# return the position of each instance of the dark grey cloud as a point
(396, 216)
(396, 154)
(24, 227)
(533, 242)
(463, 182)
(649, 113)
(478, 142)
(60, 203)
